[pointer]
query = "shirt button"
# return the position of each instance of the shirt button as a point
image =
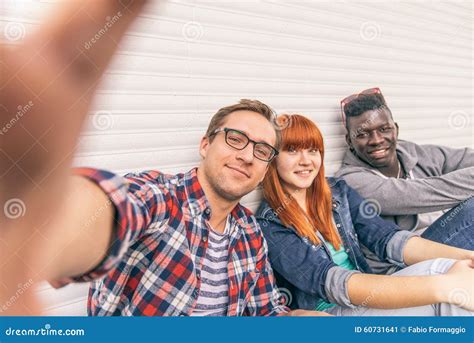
(338, 225)
(207, 211)
(204, 239)
(334, 205)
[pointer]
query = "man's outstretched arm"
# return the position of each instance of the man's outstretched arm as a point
(55, 72)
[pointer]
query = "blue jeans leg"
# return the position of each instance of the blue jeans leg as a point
(455, 227)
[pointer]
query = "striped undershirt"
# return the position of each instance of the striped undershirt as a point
(213, 296)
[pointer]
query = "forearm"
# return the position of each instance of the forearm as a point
(80, 237)
(55, 63)
(432, 193)
(418, 249)
(390, 292)
(53, 74)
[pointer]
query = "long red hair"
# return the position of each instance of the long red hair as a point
(299, 132)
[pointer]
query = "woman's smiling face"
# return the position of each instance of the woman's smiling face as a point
(298, 168)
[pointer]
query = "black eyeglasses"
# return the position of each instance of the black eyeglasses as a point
(239, 140)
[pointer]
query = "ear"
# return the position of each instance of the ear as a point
(398, 129)
(348, 139)
(204, 146)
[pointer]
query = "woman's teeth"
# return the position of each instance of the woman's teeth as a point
(304, 172)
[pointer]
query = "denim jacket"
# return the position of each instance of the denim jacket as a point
(307, 270)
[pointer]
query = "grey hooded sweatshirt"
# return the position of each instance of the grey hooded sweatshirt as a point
(442, 178)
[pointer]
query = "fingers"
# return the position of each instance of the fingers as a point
(53, 77)
(460, 265)
(87, 33)
(472, 261)
(460, 285)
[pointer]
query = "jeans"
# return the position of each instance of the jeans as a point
(455, 227)
(430, 267)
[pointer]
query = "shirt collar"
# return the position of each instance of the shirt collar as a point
(199, 204)
(196, 198)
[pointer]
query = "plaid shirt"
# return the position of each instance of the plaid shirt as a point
(154, 262)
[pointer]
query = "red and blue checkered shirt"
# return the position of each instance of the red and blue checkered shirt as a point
(154, 262)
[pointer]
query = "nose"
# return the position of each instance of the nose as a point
(375, 138)
(246, 154)
(304, 158)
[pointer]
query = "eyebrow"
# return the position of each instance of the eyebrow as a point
(258, 140)
(361, 129)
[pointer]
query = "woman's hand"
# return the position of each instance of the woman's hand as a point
(457, 286)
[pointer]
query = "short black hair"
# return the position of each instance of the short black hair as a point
(364, 103)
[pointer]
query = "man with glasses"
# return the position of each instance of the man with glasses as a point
(183, 245)
(423, 188)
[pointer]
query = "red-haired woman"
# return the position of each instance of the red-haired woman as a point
(315, 227)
